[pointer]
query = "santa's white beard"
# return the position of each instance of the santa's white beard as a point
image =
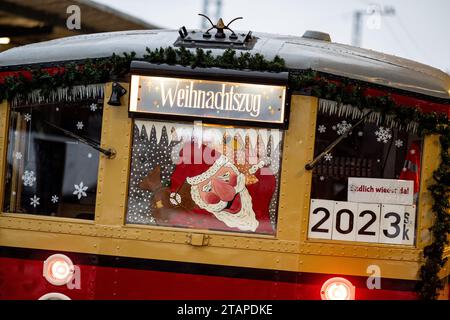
(244, 220)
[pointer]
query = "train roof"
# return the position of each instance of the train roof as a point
(298, 52)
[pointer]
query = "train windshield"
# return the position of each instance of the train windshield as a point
(366, 188)
(194, 175)
(49, 171)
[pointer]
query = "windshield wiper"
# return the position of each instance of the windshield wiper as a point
(107, 152)
(309, 166)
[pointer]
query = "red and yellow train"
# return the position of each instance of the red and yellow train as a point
(209, 183)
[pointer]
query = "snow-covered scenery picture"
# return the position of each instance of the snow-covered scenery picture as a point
(204, 177)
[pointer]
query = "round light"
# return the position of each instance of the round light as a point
(337, 289)
(58, 269)
(54, 296)
(5, 40)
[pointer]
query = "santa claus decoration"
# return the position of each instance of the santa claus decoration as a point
(209, 191)
(411, 168)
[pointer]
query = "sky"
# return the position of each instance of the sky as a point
(418, 30)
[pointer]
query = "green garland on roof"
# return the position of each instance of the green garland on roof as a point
(308, 82)
(90, 72)
(228, 60)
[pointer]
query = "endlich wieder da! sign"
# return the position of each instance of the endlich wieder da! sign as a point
(386, 191)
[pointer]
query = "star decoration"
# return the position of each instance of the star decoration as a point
(398, 143)
(249, 178)
(28, 178)
(383, 134)
(34, 201)
(80, 125)
(342, 127)
(80, 190)
(322, 128)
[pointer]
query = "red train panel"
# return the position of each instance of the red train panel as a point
(104, 277)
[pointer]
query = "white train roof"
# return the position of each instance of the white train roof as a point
(298, 52)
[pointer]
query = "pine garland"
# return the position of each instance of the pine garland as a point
(202, 59)
(345, 91)
(90, 72)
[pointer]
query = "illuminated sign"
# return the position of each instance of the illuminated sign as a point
(210, 99)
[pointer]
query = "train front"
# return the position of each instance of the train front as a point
(220, 165)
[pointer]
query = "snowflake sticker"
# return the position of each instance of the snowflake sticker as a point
(55, 199)
(342, 127)
(322, 178)
(322, 128)
(34, 201)
(80, 125)
(18, 155)
(328, 157)
(80, 190)
(28, 178)
(89, 155)
(398, 143)
(383, 134)
(27, 117)
(93, 107)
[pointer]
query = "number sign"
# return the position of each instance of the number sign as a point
(320, 219)
(368, 215)
(344, 225)
(362, 222)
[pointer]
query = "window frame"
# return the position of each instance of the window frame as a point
(191, 122)
(430, 147)
(5, 111)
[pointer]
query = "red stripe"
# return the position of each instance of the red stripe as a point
(22, 279)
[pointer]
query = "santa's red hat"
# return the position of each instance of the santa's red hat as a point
(194, 161)
(411, 168)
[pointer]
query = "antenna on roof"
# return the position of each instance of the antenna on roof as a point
(205, 39)
(220, 27)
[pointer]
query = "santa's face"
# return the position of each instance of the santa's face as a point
(221, 191)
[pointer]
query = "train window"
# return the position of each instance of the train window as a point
(51, 168)
(193, 175)
(366, 188)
